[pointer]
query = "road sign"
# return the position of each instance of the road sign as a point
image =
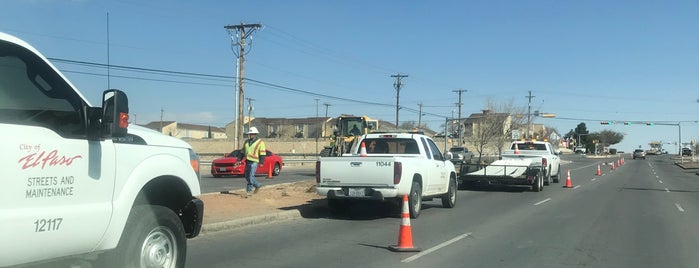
(515, 134)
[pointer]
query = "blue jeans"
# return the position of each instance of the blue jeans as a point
(250, 169)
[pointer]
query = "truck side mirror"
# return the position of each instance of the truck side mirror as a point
(448, 156)
(115, 113)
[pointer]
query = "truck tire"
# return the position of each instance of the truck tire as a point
(415, 200)
(557, 177)
(449, 198)
(153, 237)
(538, 185)
(547, 181)
(325, 152)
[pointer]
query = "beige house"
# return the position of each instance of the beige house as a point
(187, 131)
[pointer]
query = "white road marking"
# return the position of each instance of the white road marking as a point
(679, 207)
(432, 249)
(543, 201)
(667, 190)
(660, 181)
(657, 177)
(594, 179)
(576, 187)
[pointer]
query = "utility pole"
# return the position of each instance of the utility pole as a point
(161, 119)
(239, 33)
(529, 114)
(459, 104)
(317, 125)
(250, 108)
(397, 85)
(419, 115)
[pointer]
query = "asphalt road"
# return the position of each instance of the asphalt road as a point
(209, 184)
(643, 214)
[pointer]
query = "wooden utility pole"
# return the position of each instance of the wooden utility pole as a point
(239, 33)
(459, 104)
(529, 115)
(397, 85)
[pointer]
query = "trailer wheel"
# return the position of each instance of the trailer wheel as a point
(415, 200)
(449, 198)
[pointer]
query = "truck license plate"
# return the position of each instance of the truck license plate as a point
(357, 192)
(222, 169)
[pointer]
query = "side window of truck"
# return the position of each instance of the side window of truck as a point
(436, 154)
(31, 94)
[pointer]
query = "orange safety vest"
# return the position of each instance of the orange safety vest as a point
(254, 150)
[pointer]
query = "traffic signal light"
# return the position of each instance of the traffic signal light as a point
(649, 123)
(606, 122)
(627, 123)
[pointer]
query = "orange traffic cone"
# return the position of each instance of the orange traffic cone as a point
(516, 149)
(599, 172)
(405, 235)
(569, 184)
(612, 165)
(362, 150)
(269, 172)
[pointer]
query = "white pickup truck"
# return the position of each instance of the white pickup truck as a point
(79, 184)
(395, 164)
(532, 163)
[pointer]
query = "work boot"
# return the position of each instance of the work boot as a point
(257, 189)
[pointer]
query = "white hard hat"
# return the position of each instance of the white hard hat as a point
(253, 130)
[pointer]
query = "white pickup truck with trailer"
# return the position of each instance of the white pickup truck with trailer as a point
(533, 163)
(395, 164)
(79, 184)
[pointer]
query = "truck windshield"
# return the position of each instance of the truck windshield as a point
(529, 146)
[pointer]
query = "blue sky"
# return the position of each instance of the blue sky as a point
(585, 61)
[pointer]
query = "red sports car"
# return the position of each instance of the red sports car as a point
(229, 165)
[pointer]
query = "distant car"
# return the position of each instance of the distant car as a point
(460, 154)
(687, 151)
(639, 153)
(580, 150)
(230, 166)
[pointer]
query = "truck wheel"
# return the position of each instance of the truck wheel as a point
(547, 181)
(557, 178)
(153, 237)
(538, 183)
(415, 200)
(449, 199)
(277, 169)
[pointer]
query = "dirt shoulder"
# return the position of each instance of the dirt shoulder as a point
(234, 205)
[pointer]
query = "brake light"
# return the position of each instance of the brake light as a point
(317, 171)
(397, 172)
(543, 162)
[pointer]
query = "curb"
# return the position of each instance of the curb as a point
(250, 221)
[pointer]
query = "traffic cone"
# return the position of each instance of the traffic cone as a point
(599, 172)
(362, 150)
(569, 184)
(612, 165)
(405, 234)
(516, 149)
(269, 172)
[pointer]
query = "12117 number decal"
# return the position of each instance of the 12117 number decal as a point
(46, 225)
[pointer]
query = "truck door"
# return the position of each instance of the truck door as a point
(57, 185)
(437, 168)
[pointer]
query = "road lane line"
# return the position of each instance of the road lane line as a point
(542, 201)
(576, 187)
(594, 179)
(667, 190)
(679, 207)
(660, 181)
(435, 248)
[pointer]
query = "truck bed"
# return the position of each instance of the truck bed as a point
(502, 168)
